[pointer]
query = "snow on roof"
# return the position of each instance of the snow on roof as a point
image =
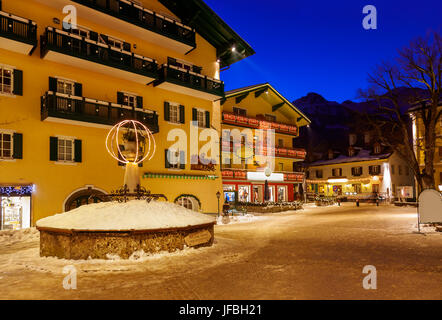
(132, 215)
(363, 155)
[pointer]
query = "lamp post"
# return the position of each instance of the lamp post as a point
(218, 195)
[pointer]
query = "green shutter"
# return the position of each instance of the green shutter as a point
(182, 114)
(182, 160)
(166, 111)
(52, 84)
(18, 82)
(18, 146)
(140, 102)
(53, 149)
(78, 150)
(166, 161)
(78, 89)
(207, 119)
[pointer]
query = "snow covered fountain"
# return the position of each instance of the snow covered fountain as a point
(128, 220)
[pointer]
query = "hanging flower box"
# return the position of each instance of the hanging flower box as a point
(291, 153)
(227, 173)
(253, 122)
(242, 120)
(301, 154)
(293, 129)
(265, 125)
(274, 126)
(229, 117)
(281, 151)
(283, 127)
(240, 174)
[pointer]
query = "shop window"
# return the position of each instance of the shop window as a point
(357, 188)
(6, 80)
(15, 212)
(244, 193)
(282, 193)
(375, 188)
(6, 146)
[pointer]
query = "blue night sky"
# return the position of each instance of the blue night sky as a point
(320, 46)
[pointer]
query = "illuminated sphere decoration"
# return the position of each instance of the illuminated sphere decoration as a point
(130, 141)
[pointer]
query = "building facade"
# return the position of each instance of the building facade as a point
(62, 87)
(253, 161)
(363, 173)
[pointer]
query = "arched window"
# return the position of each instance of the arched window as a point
(82, 197)
(188, 201)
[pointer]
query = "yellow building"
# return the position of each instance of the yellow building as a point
(62, 88)
(419, 136)
(244, 150)
(362, 173)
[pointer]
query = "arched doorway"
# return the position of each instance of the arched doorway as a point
(82, 197)
(188, 201)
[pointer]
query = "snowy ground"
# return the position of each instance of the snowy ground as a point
(316, 253)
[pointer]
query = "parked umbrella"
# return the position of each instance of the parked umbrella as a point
(266, 191)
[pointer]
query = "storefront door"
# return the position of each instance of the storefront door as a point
(15, 212)
(258, 194)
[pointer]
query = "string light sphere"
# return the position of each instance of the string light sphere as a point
(130, 141)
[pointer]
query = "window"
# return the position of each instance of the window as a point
(374, 170)
(175, 159)
(352, 139)
(129, 100)
(65, 86)
(115, 43)
(399, 167)
(407, 170)
(65, 150)
(357, 188)
(377, 148)
(188, 201)
(319, 174)
(82, 32)
(337, 172)
(201, 118)
(351, 152)
(280, 143)
(6, 80)
(356, 171)
(392, 169)
(240, 111)
(5, 146)
(174, 113)
(281, 166)
(270, 117)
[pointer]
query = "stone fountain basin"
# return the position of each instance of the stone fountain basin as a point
(106, 230)
(101, 244)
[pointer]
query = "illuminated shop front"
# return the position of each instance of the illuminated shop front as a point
(15, 207)
(250, 186)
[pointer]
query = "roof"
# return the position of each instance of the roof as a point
(211, 27)
(363, 155)
(264, 87)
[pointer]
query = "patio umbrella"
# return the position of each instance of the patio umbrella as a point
(266, 191)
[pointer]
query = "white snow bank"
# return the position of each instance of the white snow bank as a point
(132, 215)
(8, 237)
(240, 219)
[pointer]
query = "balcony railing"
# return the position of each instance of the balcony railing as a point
(191, 80)
(18, 29)
(278, 152)
(93, 51)
(62, 106)
(144, 18)
(259, 123)
(242, 175)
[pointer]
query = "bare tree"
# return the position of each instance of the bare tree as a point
(413, 78)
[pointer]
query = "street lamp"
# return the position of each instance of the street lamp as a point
(218, 195)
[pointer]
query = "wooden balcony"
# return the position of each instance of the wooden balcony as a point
(17, 34)
(130, 18)
(62, 108)
(69, 49)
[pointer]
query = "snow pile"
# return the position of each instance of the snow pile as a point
(8, 237)
(132, 215)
